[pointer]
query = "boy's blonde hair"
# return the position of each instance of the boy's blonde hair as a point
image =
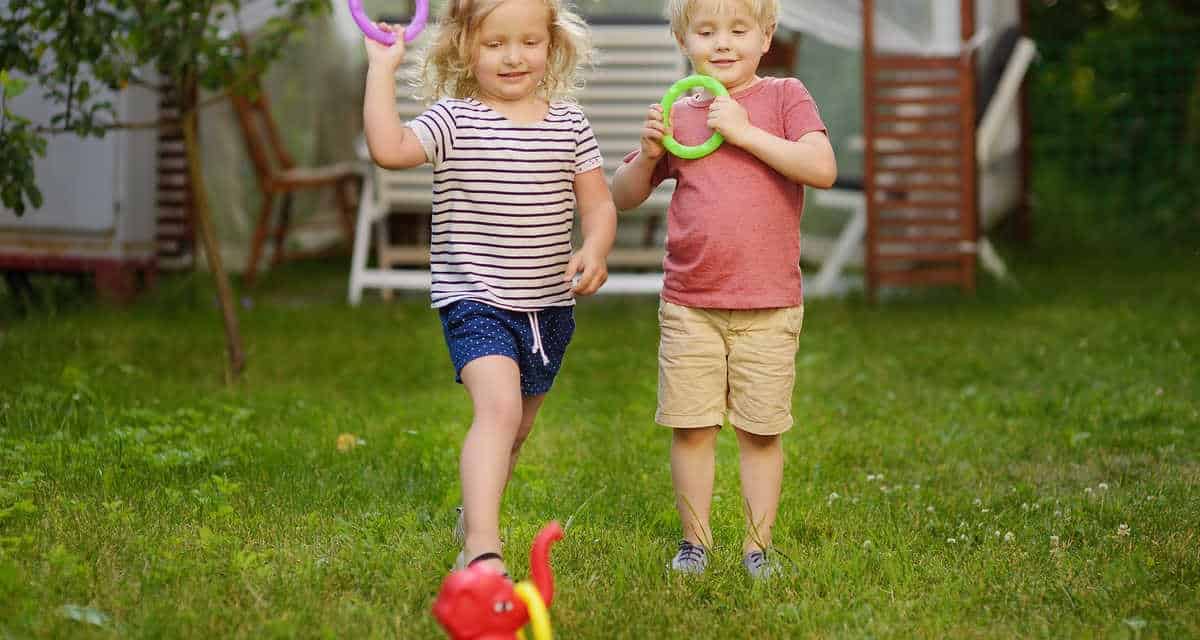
(445, 68)
(680, 12)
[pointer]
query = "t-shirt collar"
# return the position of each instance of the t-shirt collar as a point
(750, 90)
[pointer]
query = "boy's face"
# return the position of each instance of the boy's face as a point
(725, 41)
(511, 50)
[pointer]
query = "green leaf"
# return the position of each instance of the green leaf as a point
(13, 87)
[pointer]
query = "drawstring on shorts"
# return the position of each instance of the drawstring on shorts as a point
(537, 337)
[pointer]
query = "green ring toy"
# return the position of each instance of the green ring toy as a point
(684, 151)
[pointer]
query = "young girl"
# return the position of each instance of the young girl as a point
(512, 160)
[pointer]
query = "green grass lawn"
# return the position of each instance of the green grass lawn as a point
(1024, 463)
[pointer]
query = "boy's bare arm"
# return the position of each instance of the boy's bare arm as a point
(392, 145)
(808, 161)
(631, 183)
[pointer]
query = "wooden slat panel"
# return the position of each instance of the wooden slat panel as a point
(942, 99)
(174, 235)
(918, 236)
(925, 221)
(915, 152)
(919, 163)
(932, 135)
(892, 118)
(898, 257)
(954, 200)
(907, 82)
(910, 63)
(921, 277)
(923, 169)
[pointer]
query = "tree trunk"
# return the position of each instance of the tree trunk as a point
(212, 250)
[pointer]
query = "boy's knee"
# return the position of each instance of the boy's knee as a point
(696, 435)
(758, 441)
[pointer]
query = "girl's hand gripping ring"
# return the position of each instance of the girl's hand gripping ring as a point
(373, 32)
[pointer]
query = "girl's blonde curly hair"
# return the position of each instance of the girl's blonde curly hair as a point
(445, 65)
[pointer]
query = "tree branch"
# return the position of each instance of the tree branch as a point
(161, 123)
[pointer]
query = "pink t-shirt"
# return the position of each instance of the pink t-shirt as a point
(733, 226)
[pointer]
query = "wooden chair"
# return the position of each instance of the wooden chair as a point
(278, 176)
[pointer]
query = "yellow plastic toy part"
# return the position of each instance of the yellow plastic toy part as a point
(539, 618)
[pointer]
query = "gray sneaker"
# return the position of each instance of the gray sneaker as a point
(460, 528)
(761, 565)
(691, 558)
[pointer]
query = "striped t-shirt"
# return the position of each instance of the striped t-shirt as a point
(503, 202)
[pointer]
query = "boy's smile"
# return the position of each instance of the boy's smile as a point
(725, 41)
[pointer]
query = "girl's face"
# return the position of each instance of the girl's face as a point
(726, 42)
(511, 50)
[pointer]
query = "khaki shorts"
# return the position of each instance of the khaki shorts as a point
(712, 362)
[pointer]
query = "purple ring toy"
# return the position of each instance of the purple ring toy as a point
(386, 37)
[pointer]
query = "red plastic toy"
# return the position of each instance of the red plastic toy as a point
(478, 603)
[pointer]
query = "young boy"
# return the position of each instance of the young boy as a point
(732, 300)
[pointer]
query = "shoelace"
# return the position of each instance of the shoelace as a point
(690, 553)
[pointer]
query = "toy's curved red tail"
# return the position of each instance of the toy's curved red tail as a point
(539, 560)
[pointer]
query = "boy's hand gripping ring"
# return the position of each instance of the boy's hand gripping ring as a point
(683, 151)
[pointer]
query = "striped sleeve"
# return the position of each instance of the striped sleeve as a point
(587, 150)
(435, 129)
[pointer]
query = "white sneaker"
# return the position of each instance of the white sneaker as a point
(691, 558)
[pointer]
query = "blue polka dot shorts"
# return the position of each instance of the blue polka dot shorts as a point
(536, 340)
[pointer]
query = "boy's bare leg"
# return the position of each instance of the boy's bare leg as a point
(494, 383)
(761, 462)
(693, 465)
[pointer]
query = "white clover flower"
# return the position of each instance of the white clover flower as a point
(929, 508)
(833, 496)
(915, 487)
(963, 524)
(1088, 491)
(977, 502)
(951, 540)
(1057, 513)
(867, 544)
(1104, 486)
(998, 534)
(1009, 537)
(1037, 505)
(984, 510)
(1123, 530)
(1024, 506)
(870, 477)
